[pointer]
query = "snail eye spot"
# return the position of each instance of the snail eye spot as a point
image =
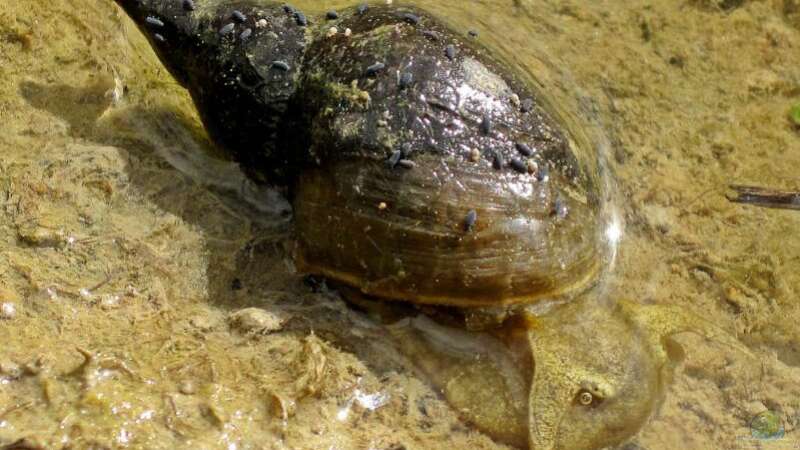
(586, 398)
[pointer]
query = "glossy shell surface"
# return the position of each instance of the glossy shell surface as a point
(434, 176)
(419, 167)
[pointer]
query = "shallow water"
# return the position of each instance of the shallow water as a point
(117, 241)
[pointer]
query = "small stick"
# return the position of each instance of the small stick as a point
(15, 407)
(765, 197)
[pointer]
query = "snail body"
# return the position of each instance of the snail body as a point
(420, 169)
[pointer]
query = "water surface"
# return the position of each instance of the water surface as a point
(114, 244)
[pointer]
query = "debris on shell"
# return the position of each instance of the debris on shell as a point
(532, 166)
(474, 155)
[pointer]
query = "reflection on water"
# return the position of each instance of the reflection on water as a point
(104, 192)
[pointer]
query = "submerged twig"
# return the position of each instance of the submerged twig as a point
(765, 197)
(15, 407)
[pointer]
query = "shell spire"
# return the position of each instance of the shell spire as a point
(170, 29)
(241, 63)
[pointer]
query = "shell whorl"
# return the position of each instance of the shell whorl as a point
(420, 168)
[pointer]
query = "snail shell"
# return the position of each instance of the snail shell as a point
(428, 180)
(419, 168)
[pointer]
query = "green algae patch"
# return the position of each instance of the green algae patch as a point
(794, 115)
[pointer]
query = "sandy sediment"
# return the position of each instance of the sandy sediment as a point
(124, 282)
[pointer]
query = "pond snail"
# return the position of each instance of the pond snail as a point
(419, 169)
(484, 202)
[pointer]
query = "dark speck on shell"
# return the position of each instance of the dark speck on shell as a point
(543, 174)
(413, 19)
(560, 209)
(473, 33)
(527, 105)
(394, 159)
(281, 65)
(152, 21)
(470, 220)
(450, 51)
(430, 34)
(486, 125)
(406, 78)
(524, 149)
(498, 161)
(238, 16)
(300, 18)
(519, 165)
(226, 29)
(375, 68)
(406, 149)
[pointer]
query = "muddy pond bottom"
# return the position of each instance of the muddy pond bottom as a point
(146, 302)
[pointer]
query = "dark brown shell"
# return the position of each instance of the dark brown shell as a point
(420, 169)
(417, 186)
